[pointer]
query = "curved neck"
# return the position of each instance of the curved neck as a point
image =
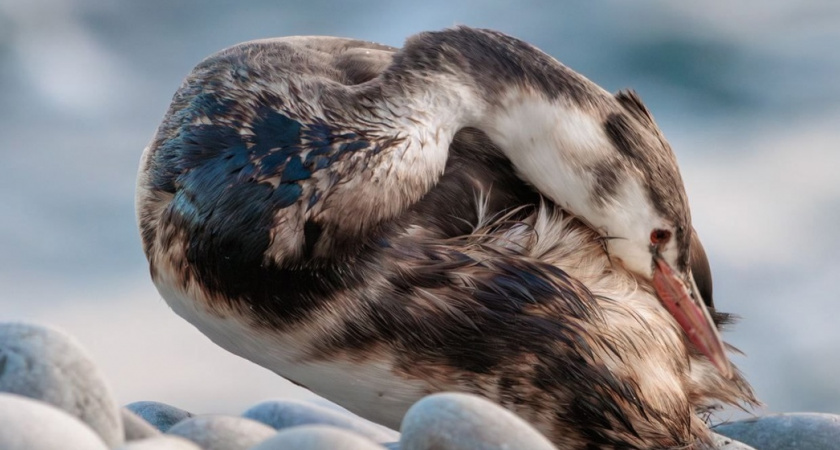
(547, 120)
(599, 157)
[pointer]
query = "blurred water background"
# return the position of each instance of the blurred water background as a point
(747, 92)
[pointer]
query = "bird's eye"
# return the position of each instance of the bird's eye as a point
(660, 237)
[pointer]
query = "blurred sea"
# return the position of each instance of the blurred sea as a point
(747, 92)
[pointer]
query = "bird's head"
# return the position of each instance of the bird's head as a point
(647, 224)
(667, 254)
(609, 164)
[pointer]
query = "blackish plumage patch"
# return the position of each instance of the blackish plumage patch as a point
(311, 233)
(294, 170)
(495, 60)
(279, 297)
(607, 181)
(353, 146)
(166, 163)
(701, 270)
(634, 105)
(225, 207)
(621, 133)
(274, 131)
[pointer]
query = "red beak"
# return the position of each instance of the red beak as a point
(691, 314)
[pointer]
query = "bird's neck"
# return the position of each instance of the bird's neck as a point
(556, 143)
(558, 147)
(550, 122)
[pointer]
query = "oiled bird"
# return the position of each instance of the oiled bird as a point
(462, 214)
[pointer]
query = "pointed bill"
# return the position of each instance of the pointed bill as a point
(691, 314)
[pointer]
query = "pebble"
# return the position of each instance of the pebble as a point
(161, 442)
(159, 415)
(721, 442)
(135, 427)
(53, 396)
(317, 437)
(27, 424)
(793, 431)
(461, 421)
(216, 432)
(47, 365)
(282, 414)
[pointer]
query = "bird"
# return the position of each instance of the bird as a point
(464, 213)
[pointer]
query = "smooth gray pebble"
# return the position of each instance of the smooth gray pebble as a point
(317, 437)
(159, 415)
(794, 431)
(216, 432)
(47, 365)
(160, 442)
(282, 414)
(135, 427)
(462, 421)
(27, 424)
(722, 442)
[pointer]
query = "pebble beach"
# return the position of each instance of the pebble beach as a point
(53, 396)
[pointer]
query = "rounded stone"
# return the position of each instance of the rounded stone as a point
(27, 424)
(223, 432)
(793, 431)
(317, 437)
(135, 427)
(50, 366)
(461, 421)
(282, 414)
(161, 442)
(721, 442)
(159, 415)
